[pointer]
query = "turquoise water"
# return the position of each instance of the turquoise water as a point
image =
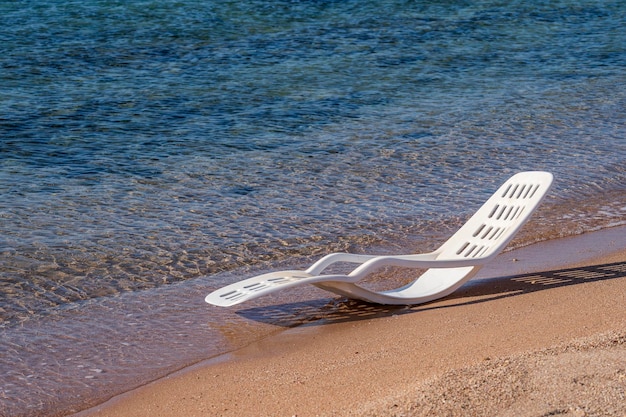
(152, 151)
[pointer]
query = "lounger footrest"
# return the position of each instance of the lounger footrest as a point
(255, 287)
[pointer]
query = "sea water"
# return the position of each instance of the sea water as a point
(152, 151)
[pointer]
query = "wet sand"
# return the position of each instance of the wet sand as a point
(540, 331)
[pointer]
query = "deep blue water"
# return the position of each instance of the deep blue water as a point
(145, 143)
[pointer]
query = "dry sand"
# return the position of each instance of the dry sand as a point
(540, 332)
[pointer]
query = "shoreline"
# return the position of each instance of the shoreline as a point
(378, 360)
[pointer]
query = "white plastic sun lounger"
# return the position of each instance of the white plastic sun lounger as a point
(480, 239)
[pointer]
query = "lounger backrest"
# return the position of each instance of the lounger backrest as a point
(493, 226)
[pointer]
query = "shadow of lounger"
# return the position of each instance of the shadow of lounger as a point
(321, 312)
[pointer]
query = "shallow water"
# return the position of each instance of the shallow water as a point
(150, 152)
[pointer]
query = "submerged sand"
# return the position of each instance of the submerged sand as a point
(541, 331)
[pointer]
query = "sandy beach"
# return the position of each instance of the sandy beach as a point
(540, 331)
